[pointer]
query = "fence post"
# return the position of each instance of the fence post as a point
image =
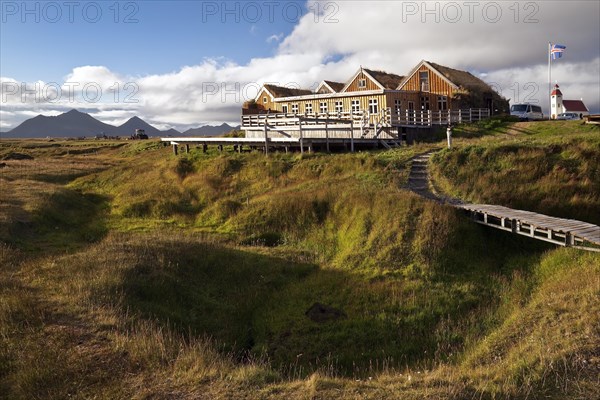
(266, 138)
(301, 137)
(326, 135)
(352, 135)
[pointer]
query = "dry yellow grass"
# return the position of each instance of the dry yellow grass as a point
(98, 307)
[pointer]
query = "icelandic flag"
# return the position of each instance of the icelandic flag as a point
(557, 51)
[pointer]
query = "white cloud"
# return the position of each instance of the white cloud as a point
(340, 37)
(275, 38)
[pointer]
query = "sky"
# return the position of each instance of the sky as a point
(186, 64)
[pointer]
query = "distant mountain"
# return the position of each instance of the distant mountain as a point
(69, 124)
(75, 124)
(209, 130)
(129, 127)
(171, 132)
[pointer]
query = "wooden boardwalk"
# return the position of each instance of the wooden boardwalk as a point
(559, 231)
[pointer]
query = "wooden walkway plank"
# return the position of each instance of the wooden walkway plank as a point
(537, 225)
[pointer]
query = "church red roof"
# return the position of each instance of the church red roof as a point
(556, 91)
(574, 106)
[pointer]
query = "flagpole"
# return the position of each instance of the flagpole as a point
(549, 81)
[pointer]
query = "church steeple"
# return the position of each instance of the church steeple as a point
(556, 103)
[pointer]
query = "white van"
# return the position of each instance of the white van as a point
(527, 112)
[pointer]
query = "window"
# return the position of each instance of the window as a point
(442, 103)
(265, 100)
(424, 102)
(397, 106)
(295, 108)
(373, 106)
(355, 106)
(339, 106)
(308, 108)
(284, 108)
(362, 83)
(424, 81)
(323, 107)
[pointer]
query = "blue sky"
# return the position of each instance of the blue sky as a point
(149, 37)
(190, 63)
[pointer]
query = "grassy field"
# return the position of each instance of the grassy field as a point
(128, 272)
(552, 167)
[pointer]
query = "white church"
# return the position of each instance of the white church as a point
(560, 106)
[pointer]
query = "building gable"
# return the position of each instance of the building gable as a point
(362, 81)
(412, 81)
(325, 87)
(262, 93)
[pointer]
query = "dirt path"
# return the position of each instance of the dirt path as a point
(420, 183)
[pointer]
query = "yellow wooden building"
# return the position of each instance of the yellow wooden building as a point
(428, 87)
(379, 103)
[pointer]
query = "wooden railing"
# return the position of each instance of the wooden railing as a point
(366, 120)
(428, 117)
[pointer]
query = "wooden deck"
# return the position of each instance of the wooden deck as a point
(288, 143)
(560, 231)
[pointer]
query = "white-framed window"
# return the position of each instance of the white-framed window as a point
(373, 106)
(265, 100)
(295, 108)
(323, 107)
(397, 106)
(284, 108)
(362, 83)
(424, 81)
(442, 103)
(339, 106)
(355, 106)
(308, 108)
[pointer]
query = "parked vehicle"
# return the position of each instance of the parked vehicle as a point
(568, 116)
(527, 112)
(139, 134)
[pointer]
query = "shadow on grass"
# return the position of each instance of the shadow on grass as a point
(254, 307)
(67, 220)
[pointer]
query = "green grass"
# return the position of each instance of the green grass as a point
(552, 169)
(190, 277)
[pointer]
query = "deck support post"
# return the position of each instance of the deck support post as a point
(352, 136)
(187, 148)
(204, 147)
(327, 135)
(266, 139)
(569, 239)
(301, 137)
(175, 152)
(220, 147)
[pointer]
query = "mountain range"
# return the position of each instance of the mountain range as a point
(77, 124)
